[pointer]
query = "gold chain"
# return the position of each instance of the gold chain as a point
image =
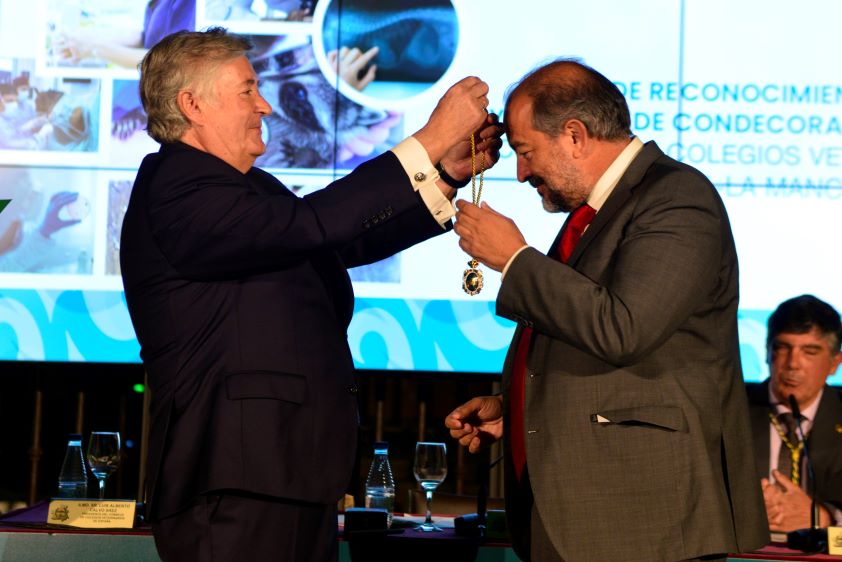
(472, 277)
(476, 194)
(794, 452)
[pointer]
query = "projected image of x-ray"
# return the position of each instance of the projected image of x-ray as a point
(387, 49)
(46, 113)
(312, 125)
(259, 10)
(48, 227)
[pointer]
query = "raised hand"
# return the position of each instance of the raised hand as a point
(52, 221)
(477, 423)
(457, 161)
(788, 506)
(460, 112)
(349, 64)
(486, 235)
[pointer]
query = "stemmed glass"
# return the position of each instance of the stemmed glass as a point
(430, 469)
(103, 456)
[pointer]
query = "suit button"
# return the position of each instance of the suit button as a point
(353, 389)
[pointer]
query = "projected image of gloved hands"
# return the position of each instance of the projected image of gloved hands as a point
(406, 43)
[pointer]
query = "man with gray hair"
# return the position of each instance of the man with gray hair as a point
(624, 408)
(240, 299)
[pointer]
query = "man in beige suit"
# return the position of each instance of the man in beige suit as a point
(624, 409)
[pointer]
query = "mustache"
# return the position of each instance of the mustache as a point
(535, 181)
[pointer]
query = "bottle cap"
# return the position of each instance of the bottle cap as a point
(381, 445)
(74, 436)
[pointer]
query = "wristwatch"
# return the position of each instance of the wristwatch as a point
(450, 180)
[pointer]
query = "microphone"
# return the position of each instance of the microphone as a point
(475, 524)
(813, 539)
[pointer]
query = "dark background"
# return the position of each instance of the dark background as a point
(410, 407)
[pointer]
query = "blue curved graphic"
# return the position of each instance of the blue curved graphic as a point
(385, 334)
(64, 326)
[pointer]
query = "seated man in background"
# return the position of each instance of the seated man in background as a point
(803, 345)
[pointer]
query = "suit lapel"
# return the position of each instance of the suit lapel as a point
(825, 440)
(553, 250)
(759, 416)
(630, 180)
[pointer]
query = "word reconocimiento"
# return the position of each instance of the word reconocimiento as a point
(816, 94)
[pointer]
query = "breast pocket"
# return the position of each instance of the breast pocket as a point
(670, 418)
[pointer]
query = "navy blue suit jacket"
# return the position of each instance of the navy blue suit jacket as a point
(239, 296)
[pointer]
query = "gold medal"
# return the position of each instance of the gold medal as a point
(472, 277)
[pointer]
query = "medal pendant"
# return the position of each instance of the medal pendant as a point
(472, 279)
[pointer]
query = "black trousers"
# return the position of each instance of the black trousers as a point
(233, 526)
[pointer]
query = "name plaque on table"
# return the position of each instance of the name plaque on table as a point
(834, 540)
(92, 514)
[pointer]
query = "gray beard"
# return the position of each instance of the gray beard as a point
(554, 202)
(551, 206)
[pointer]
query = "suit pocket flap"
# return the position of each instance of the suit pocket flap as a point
(266, 384)
(667, 417)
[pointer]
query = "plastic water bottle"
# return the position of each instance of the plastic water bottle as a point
(380, 485)
(73, 478)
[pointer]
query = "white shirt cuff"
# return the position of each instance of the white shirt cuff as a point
(423, 176)
(511, 259)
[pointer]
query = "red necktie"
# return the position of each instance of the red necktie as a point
(576, 224)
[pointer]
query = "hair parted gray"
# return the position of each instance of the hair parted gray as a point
(181, 61)
(568, 89)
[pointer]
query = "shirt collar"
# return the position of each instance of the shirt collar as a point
(609, 180)
(808, 413)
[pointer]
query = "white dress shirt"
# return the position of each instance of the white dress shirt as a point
(423, 175)
(604, 185)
